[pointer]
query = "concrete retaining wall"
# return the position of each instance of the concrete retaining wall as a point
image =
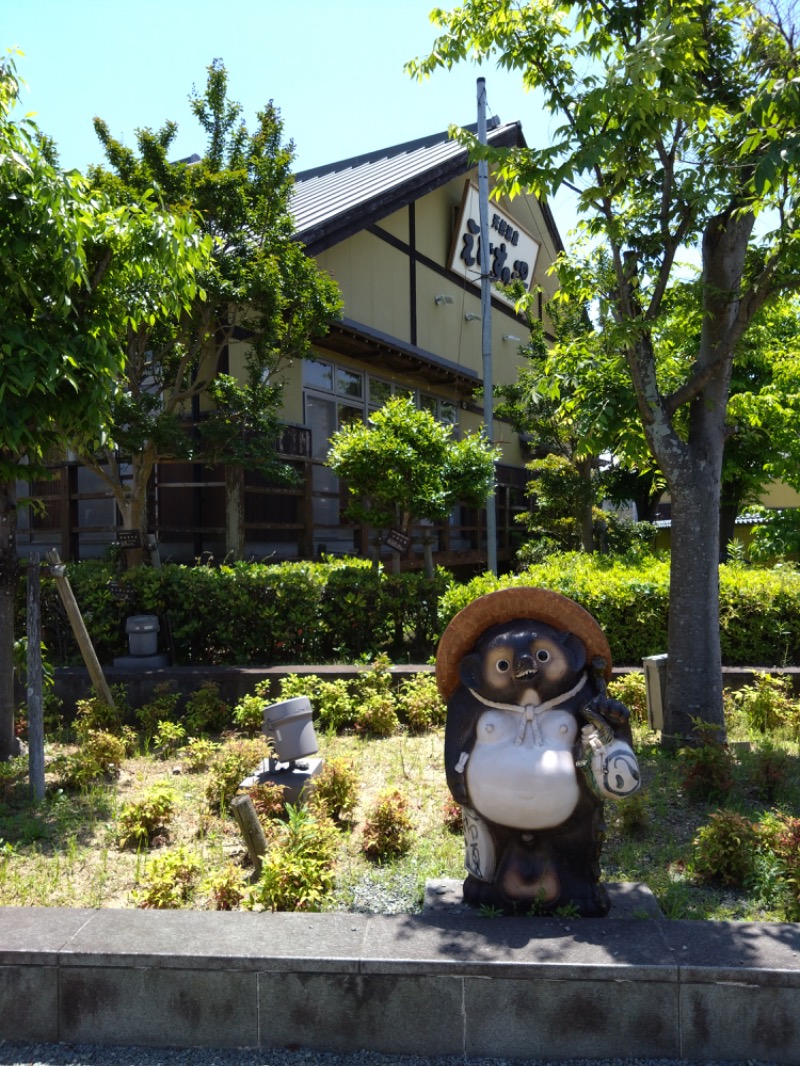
(436, 984)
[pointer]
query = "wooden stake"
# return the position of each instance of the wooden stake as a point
(79, 628)
(246, 818)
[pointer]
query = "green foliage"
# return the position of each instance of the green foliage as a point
(99, 758)
(269, 799)
(334, 705)
(335, 789)
(168, 881)
(765, 705)
(776, 537)
(141, 819)
(451, 815)
(94, 714)
(781, 837)
(198, 753)
(419, 704)
(233, 762)
(404, 465)
(388, 828)
(707, 771)
(248, 715)
(259, 283)
(631, 690)
(226, 887)
(254, 613)
(162, 708)
(205, 710)
(376, 716)
(297, 872)
(723, 849)
(169, 737)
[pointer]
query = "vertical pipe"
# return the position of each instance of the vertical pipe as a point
(486, 322)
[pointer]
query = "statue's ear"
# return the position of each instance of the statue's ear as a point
(576, 651)
(470, 671)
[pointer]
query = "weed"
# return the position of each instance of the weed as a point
(452, 816)
(98, 758)
(226, 887)
(94, 715)
(388, 829)
(765, 704)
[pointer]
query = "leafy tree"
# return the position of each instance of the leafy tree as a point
(679, 121)
(73, 270)
(260, 286)
(405, 466)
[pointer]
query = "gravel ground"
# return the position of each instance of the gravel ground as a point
(18, 1054)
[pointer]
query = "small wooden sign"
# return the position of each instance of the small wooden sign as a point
(129, 538)
(398, 541)
(120, 592)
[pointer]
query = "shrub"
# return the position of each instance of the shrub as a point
(631, 690)
(723, 850)
(765, 704)
(99, 758)
(248, 715)
(169, 738)
(376, 716)
(335, 789)
(768, 771)
(233, 762)
(452, 816)
(226, 887)
(198, 753)
(168, 880)
(388, 829)
(206, 711)
(334, 705)
(708, 772)
(162, 708)
(142, 819)
(781, 836)
(419, 704)
(269, 799)
(95, 715)
(297, 871)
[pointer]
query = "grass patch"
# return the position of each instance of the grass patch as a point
(72, 850)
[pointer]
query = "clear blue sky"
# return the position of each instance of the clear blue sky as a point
(333, 67)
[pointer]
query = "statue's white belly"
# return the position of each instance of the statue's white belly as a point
(527, 785)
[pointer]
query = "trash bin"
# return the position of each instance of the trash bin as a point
(142, 630)
(289, 727)
(655, 682)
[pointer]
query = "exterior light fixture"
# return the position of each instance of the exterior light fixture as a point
(511, 337)
(442, 299)
(470, 316)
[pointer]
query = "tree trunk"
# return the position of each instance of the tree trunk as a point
(234, 511)
(586, 518)
(9, 745)
(694, 666)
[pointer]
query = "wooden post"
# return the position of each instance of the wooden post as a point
(34, 683)
(79, 628)
(246, 818)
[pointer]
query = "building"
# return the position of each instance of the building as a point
(397, 229)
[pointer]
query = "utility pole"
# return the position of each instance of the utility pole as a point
(486, 322)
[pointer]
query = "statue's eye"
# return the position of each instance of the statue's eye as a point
(542, 655)
(503, 665)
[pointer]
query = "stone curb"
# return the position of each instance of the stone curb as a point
(441, 983)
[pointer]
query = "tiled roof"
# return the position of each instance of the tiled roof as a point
(334, 201)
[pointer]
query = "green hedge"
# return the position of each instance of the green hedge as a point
(759, 609)
(255, 614)
(347, 611)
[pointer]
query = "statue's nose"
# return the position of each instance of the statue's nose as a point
(525, 665)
